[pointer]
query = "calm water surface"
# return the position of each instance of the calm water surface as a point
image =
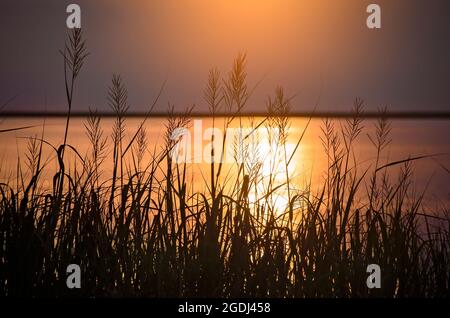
(410, 138)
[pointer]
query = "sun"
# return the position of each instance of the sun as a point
(273, 159)
(274, 173)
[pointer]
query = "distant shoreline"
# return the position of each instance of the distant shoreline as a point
(337, 115)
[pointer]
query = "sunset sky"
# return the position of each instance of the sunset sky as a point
(305, 46)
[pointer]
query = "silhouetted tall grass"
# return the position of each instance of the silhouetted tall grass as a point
(144, 230)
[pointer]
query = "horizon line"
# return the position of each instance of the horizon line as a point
(322, 114)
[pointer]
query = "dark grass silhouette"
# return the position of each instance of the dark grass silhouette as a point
(142, 232)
